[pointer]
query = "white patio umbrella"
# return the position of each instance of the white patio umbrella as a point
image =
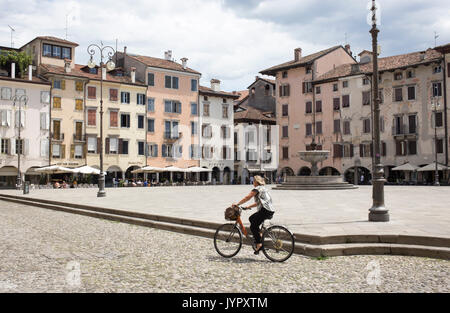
(87, 170)
(148, 169)
(197, 169)
(408, 167)
(54, 169)
(174, 169)
(432, 167)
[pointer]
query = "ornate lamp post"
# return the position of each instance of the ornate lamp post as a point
(435, 106)
(378, 212)
(18, 100)
(110, 66)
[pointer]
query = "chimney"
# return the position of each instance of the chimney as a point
(256, 77)
(297, 54)
(215, 84)
(133, 75)
(13, 70)
(104, 73)
(125, 50)
(67, 68)
(168, 55)
(184, 62)
(347, 47)
(30, 72)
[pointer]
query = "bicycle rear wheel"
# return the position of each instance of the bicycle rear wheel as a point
(228, 240)
(278, 243)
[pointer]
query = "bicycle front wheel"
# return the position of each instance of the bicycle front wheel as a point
(228, 240)
(278, 243)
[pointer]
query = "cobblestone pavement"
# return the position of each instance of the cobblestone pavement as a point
(43, 251)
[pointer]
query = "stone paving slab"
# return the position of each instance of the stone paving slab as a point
(414, 210)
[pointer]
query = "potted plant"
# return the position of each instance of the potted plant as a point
(22, 60)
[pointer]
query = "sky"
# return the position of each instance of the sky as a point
(229, 40)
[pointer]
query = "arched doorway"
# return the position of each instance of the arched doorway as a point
(34, 177)
(304, 171)
(113, 172)
(215, 175)
(364, 176)
(226, 176)
(129, 175)
(329, 171)
(8, 177)
(286, 171)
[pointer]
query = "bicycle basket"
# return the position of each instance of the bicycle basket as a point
(232, 213)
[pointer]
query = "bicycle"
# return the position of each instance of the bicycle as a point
(278, 242)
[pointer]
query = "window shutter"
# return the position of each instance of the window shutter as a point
(303, 87)
(12, 146)
(107, 146)
(85, 146)
(120, 146)
(43, 116)
(361, 150)
(63, 151)
(72, 151)
(351, 151)
(63, 84)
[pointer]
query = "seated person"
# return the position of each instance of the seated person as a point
(57, 185)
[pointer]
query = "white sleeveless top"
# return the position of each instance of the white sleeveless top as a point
(263, 199)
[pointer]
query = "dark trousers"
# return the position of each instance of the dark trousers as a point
(256, 220)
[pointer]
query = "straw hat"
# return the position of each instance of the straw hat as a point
(259, 180)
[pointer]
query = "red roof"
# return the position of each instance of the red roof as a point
(162, 63)
(252, 114)
(54, 39)
(209, 91)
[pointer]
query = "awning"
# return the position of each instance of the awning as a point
(8, 171)
(406, 167)
(86, 170)
(148, 169)
(54, 169)
(432, 167)
(173, 169)
(197, 169)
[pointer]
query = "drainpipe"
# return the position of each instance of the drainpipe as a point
(50, 125)
(85, 120)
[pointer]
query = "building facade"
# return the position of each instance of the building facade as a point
(32, 116)
(215, 129)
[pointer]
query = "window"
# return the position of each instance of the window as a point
(398, 94)
(285, 110)
(284, 90)
(411, 92)
(437, 89)
(337, 126)
(319, 128)
(125, 120)
(285, 131)
(171, 82)
(410, 74)
(437, 69)
(57, 102)
(45, 97)
(140, 99)
(440, 145)
(171, 106)
(225, 111)
(57, 84)
(308, 107)
(225, 132)
(336, 104)
(398, 76)
(318, 106)
(308, 129)
(318, 90)
(140, 122)
(6, 93)
(194, 108)
(366, 97)
(125, 97)
(337, 150)
(150, 104)
(141, 148)
(206, 131)
(412, 120)
(56, 51)
(438, 119)
(92, 145)
(92, 92)
(44, 120)
(205, 109)
(57, 130)
(194, 128)
(285, 153)
(153, 150)
(365, 81)
(20, 118)
(79, 131)
(113, 94)
(348, 150)
(345, 101)
(365, 150)
(113, 119)
(92, 114)
(56, 151)
(347, 128)
(412, 147)
(345, 84)
(398, 125)
(113, 145)
(4, 146)
(151, 79)
(307, 87)
(150, 125)
(335, 87)
(171, 130)
(124, 145)
(366, 126)
(193, 85)
(284, 74)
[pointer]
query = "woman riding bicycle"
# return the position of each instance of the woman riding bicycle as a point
(263, 202)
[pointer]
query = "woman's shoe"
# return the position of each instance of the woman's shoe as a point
(257, 250)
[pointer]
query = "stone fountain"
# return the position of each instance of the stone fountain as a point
(315, 181)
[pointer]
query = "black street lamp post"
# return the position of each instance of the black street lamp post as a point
(19, 100)
(435, 106)
(110, 66)
(378, 211)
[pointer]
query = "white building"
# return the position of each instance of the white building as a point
(33, 117)
(216, 129)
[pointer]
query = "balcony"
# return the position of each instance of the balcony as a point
(79, 138)
(172, 136)
(57, 136)
(405, 131)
